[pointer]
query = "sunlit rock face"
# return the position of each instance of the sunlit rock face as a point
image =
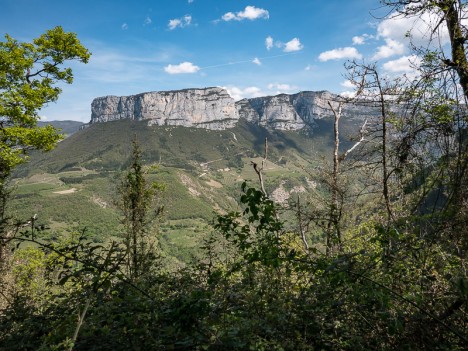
(213, 108)
(210, 108)
(275, 112)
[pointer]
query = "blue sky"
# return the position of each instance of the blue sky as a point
(252, 48)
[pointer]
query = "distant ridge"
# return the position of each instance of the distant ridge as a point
(213, 108)
(65, 127)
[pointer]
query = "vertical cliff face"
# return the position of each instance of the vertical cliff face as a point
(277, 112)
(313, 105)
(213, 108)
(289, 112)
(210, 108)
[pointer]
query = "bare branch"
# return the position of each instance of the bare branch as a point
(362, 133)
(259, 170)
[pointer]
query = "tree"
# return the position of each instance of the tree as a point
(136, 202)
(452, 13)
(29, 74)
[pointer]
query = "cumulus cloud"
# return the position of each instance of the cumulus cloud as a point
(405, 64)
(174, 23)
(229, 16)
(340, 53)
(347, 84)
(396, 27)
(358, 40)
(293, 45)
(179, 22)
(242, 93)
(184, 67)
(257, 61)
(124, 26)
(250, 13)
(269, 42)
(391, 48)
(348, 94)
(309, 68)
(281, 88)
(361, 39)
(147, 20)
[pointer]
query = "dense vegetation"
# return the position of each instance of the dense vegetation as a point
(375, 258)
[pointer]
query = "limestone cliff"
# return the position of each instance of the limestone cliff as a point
(213, 108)
(276, 112)
(210, 108)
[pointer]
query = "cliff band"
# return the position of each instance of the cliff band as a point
(213, 108)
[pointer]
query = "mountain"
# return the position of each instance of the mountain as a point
(213, 108)
(198, 142)
(65, 127)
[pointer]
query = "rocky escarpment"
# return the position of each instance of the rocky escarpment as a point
(210, 108)
(213, 108)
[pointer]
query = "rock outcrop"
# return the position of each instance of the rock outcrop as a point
(210, 108)
(276, 112)
(213, 108)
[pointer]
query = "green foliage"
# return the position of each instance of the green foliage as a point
(397, 282)
(137, 203)
(261, 238)
(29, 73)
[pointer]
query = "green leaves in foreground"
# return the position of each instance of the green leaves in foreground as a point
(29, 74)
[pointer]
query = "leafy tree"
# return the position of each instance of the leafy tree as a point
(29, 74)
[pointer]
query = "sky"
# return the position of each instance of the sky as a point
(251, 48)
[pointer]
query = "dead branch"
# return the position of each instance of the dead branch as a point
(259, 170)
(301, 228)
(361, 133)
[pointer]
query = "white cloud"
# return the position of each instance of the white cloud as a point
(147, 20)
(174, 23)
(358, 40)
(184, 67)
(179, 22)
(391, 48)
(124, 26)
(340, 53)
(348, 94)
(281, 88)
(293, 45)
(228, 16)
(269, 42)
(309, 68)
(361, 39)
(239, 93)
(250, 13)
(257, 61)
(188, 19)
(396, 27)
(404, 64)
(190, 1)
(347, 84)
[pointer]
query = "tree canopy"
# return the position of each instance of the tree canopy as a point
(29, 78)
